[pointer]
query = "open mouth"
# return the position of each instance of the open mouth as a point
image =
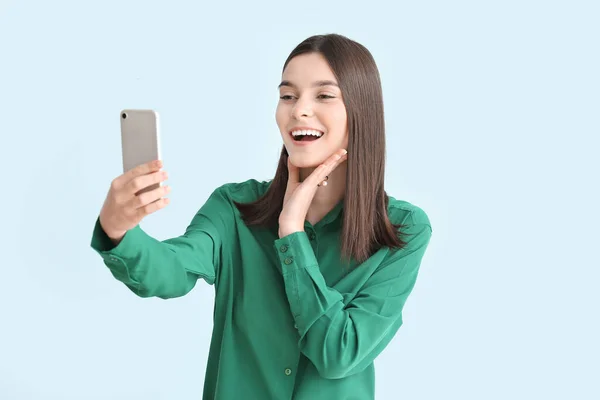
(306, 135)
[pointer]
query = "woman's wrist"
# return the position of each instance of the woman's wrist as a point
(285, 231)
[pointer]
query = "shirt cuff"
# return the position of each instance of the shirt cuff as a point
(128, 248)
(295, 252)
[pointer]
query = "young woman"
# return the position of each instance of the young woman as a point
(311, 269)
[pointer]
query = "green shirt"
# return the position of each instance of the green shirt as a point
(291, 321)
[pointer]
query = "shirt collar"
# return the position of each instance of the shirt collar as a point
(332, 216)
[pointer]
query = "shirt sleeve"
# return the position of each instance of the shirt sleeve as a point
(169, 268)
(340, 339)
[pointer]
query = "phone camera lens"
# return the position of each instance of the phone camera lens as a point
(124, 115)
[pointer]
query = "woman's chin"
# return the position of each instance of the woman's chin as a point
(305, 161)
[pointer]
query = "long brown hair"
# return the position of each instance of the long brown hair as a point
(366, 226)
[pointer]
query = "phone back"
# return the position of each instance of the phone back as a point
(140, 138)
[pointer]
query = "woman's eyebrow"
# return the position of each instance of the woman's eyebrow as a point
(315, 84)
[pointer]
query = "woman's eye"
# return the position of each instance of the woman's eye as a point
(321, 96)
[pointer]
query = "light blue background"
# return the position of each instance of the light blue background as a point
(492, 112)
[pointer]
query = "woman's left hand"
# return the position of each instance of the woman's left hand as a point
(299, 195)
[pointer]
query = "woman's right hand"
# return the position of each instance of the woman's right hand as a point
(125, 206)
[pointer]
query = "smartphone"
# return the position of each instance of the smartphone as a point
(140, 140)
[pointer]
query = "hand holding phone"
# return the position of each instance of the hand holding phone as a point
(126, 203)
(138, 191)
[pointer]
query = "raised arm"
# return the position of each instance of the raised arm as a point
(169, 268)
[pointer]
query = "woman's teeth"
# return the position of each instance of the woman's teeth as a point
(308, 134)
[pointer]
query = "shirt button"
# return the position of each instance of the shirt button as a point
(113, 258)
(288, 371)
(312, 236)
(283, 248)
(288, 260)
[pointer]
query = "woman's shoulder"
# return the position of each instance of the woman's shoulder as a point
(245, 191)
(404, 212)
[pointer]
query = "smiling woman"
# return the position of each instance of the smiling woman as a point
(331, 84)
(311, 269)
(311, 102)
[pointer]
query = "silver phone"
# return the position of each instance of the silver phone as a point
(140, 139)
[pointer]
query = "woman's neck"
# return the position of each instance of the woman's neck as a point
(326, 197)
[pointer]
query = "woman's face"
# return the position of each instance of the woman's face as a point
(311, 99)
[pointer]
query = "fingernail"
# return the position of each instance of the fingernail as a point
(345, 152)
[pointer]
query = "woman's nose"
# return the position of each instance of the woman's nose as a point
(302, 109)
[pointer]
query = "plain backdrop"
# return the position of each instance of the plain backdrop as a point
(492, 119)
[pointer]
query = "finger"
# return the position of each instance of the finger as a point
(142, 182)
(293, 172)
(323, 170)
(339, 156)
(142, 200)
(152, 207)
(335, 159)
(141, 169)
